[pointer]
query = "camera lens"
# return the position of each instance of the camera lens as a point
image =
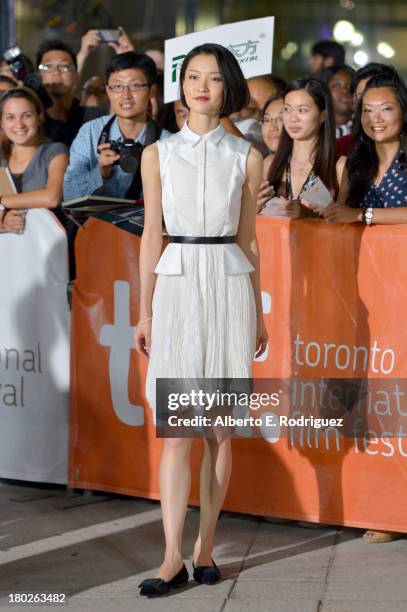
(129, 162)
(130, 156)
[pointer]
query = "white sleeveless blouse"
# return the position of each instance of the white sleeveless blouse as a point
(202, 179)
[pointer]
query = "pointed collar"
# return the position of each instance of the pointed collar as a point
(116, 133)
(214, 136)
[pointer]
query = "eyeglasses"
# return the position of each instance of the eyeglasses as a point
(133, 87)
(58, 67)
(277, 120)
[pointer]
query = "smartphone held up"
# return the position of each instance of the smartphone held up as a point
(109, 36)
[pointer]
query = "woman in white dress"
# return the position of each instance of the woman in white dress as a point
(203, 316)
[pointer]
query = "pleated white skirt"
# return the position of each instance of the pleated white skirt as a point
(204, 321)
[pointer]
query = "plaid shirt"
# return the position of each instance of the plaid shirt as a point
(83, 176)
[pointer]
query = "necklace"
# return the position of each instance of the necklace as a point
(302, 165)
(288, 185)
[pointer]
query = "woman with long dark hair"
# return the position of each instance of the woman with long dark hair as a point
(374, 183)
(206, 319)
(306, 148)
(36, 165)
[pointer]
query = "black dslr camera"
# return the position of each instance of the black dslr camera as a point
(130, 154)
(18, 63)
(23, 70)
(129, 150)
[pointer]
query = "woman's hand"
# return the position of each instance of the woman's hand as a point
(13, 221)
(266, 192)
(340, 213)
(289, 208)
(261, 337)
(336, 213)
(142, 339)
(316, 208)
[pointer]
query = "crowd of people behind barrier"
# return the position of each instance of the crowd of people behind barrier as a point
(347, 127)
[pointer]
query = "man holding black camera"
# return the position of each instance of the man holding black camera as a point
(105, 156)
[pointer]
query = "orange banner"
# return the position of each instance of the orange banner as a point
(333, 298)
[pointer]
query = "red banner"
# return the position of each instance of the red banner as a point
(333, 298)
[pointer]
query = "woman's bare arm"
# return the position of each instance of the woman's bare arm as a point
(340, 212)
(390, 216)
(342, 180)
(247, 240)
(151, 243)
(48, 197)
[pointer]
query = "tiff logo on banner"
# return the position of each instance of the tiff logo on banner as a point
(119, 337)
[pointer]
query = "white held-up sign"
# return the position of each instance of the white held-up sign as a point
(251, 42)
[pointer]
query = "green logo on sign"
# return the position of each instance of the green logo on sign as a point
(176, 67)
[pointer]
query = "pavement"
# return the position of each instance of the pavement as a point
(96, 548)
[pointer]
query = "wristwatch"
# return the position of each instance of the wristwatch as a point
(368, 216)
(2, 212)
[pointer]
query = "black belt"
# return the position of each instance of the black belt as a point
(202, 239)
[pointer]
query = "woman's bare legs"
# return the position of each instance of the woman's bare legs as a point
(215, 475)
(175, 482)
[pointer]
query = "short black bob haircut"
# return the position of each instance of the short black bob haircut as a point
(131, 59)
(236, 93)
(54, 45)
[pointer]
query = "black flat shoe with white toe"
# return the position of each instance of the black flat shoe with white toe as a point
(154, 587)
(206, 574)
